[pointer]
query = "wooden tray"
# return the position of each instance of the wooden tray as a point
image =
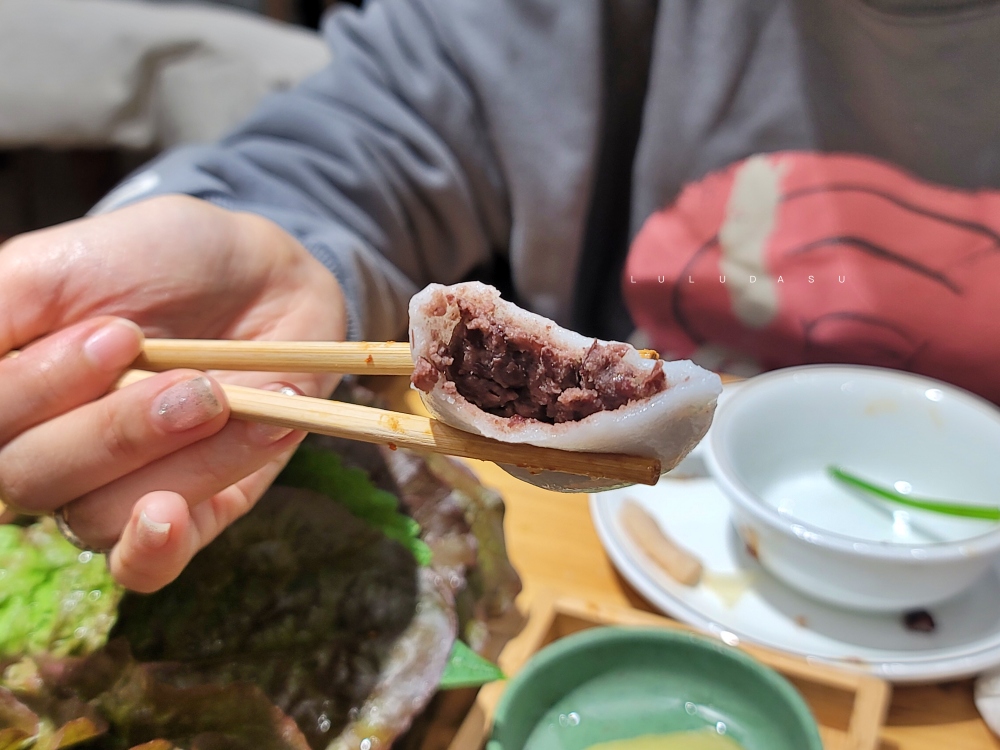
(849, 707)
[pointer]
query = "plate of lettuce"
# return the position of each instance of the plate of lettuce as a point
(364, 581)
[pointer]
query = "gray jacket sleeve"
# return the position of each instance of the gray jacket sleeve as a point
(380, 165)
(443, 132)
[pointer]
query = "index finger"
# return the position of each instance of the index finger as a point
(63, 371)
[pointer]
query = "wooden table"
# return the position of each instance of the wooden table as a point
(552, 543)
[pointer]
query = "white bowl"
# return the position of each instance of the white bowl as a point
(774, 438)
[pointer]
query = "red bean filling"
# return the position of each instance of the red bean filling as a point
(510, 374)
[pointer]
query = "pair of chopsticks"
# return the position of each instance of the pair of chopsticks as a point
(364, 423)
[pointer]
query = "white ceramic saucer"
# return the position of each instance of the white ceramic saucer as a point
(739, 600)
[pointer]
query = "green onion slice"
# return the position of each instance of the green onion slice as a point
(945, 507)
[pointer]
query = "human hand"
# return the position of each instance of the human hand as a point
(156, 469)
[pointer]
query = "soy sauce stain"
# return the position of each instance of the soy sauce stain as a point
(919, 621)
(751, 542)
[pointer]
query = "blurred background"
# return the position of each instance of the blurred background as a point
(91, 89)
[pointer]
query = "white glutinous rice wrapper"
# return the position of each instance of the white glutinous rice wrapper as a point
(665, 425)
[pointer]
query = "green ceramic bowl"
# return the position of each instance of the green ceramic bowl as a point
(615, 683)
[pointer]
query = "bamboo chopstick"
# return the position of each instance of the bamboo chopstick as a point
(345, 357)
(371, 425)
(361, 422)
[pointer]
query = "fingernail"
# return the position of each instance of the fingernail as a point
(187, 405)
(113, 346)
(265, 434)
(152, 533)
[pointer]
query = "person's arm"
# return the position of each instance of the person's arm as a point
(154, 471)
(381, 165)
(442, 132)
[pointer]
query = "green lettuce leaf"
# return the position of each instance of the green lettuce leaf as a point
(111, 702)
(54, 599)
(466, 668)
(298, 597)
(323, 472)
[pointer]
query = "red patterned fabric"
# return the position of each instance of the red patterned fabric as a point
(795, 258)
